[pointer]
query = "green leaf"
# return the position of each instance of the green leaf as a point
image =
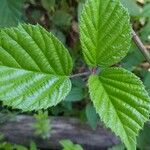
(10, 12)
(33, 146)
(91, 116)
(42, 125)
(75, 95)
(62, 19)
(118, 147)
(34, 68)
(147, 81)
(19, 147)
(77, 92)
(144, 136)
(146, 11)
(48, 4)
(80, 8)
(68, 145)
(133, 59)
(105, 32)
(145, 33)
(132, 7)
(60, 35)
(122, 103)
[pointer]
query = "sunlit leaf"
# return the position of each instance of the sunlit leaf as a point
(122, 103)
(104, 32)
(34, 68)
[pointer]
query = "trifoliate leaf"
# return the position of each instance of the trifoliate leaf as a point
(122, 103)
(34, 68)
(10, 12)
(105, 32)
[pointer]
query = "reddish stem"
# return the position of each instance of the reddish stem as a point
(94, 70)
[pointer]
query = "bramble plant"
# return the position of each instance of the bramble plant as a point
(35, 69)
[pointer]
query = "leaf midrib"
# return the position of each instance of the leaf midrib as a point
(101, 27)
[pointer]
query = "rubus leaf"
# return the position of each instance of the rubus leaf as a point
(105, 32)
(34, 68)
(121, 101)
(10, 12)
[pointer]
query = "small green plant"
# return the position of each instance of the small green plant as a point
(42, 124)
(68, 145)
(35, 69)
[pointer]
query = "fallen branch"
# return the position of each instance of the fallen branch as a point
(21, 132)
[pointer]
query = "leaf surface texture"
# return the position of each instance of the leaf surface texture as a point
(34, 68)
(121, 101)
(105, 32)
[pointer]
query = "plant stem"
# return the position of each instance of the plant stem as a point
(94, 70)
(141, 46)
(80, 74)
